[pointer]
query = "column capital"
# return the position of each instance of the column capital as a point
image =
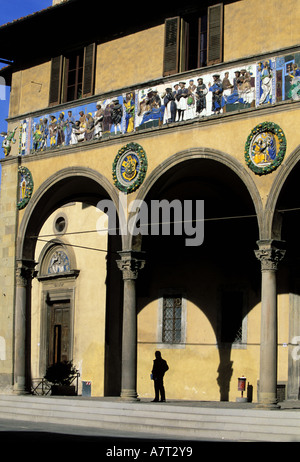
(130, 264)
(25, 272)
(270, 253)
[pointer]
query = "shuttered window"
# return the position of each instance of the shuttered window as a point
(202, 41)
(215, 34)
(72, 75)
(89, 69)
(195, 40)
(171, 51)
(55, 82)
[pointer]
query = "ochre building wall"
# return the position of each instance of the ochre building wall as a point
(251, 29)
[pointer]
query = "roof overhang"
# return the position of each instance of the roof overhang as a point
(67, 25)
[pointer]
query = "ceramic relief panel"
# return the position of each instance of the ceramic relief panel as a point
(236, 88)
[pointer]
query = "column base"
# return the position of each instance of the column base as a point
(268, 402)
(270, 406)
(129, 395)
(19, 387)
(20, 391)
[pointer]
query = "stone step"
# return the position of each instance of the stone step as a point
(163, 419)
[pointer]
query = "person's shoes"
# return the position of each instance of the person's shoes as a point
(155, 401)
(162, 400)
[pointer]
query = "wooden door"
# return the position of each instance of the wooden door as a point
(59, 332)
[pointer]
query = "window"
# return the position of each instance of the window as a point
(72, 75)
(60, 224)
(172, 307)
(172, 314)
(232, 318)
(194, 41)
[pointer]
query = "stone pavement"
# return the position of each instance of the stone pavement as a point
(174, 420)
(284, 405)
(288, 404)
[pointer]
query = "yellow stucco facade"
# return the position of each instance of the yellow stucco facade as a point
(88, 350)
(259, 36)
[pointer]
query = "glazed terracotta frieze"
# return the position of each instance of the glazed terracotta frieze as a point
(234, 89)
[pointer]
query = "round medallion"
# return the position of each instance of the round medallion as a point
(265, 148)
(25, 187)
(130, 167)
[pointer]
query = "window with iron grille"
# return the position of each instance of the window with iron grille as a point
(172, 317)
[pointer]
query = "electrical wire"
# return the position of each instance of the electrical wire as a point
(79, 246)
(109, 230)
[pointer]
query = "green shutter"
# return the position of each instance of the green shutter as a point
(215, 34)
(89, 69)
(55, 80)
(171, 49)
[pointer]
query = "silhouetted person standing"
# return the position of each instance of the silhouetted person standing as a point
(160, 366)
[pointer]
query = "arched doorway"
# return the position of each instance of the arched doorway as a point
(212, 287)
(284, 218)
(73, 185)
(53, 304)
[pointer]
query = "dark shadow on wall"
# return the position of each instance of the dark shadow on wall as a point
(204, 274)
(114, 319)
(225, 371)
(224, 261)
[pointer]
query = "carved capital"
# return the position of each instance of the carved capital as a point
(130, 265)
(21, 279)
(269, 257)
(25, 273)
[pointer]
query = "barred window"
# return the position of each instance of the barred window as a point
(172, 316)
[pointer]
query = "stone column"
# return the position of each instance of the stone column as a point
(130, 265)
(294, 348)
(269, 255)
(23, 283)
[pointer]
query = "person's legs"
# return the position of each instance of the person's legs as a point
(156, 389)
(161, 389)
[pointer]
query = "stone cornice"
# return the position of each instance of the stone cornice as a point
(65, 275)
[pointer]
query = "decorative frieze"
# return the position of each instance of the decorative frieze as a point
(205, 94)
(9, 139)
